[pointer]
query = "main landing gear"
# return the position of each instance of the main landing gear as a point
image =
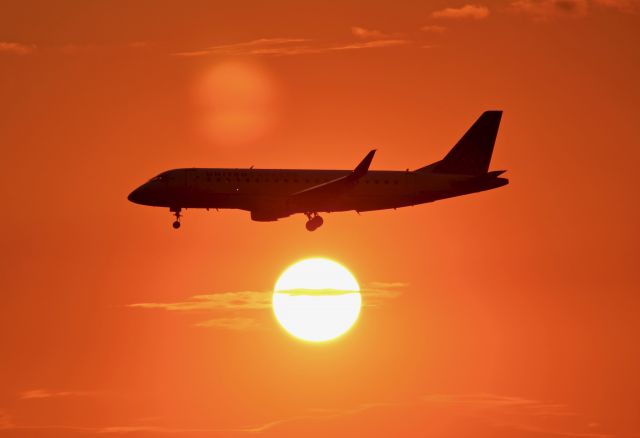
(176, 212)
(314, 222)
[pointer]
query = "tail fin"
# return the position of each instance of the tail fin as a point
(472, 154)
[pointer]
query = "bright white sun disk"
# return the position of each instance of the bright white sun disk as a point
(316, 300)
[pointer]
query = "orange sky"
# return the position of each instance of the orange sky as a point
(510, 313)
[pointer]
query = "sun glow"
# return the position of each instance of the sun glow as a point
(316, 300)
(236, 103)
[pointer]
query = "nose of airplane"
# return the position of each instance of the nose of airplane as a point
(136, 196)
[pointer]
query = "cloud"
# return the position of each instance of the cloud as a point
(44, 393)
(253, 300)
(289, 47)
(467, 11)
(309, 50)
(376, 292)
(433, 28)
(73, 49)
(545, 9)
(387, 285)
(246, 47)
(236, 323)
(135, 430)
(502, 403)
(363, 33)
(5, 420)
(312, 416)
(548, 9)
(533, 417)
(67, 49)
(16, 48)
(461, 415)
(437, 415)
(627, 6)
(364, 45)
(57, 431)
(217, 301)
(373, 295)
(140, 44)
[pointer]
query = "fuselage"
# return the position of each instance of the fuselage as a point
(270, 194)
(267, 193)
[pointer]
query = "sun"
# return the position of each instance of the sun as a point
(316, 299)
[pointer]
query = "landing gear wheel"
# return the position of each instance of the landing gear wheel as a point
(314, 222)
(176, 212)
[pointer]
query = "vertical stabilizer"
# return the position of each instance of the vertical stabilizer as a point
(472, 154)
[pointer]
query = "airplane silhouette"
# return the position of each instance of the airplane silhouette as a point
(271, 194)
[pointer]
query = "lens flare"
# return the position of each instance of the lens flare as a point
(235, 102)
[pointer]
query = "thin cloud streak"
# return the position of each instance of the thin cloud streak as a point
(114, 430)
(498, 413)
(289, 47)
(237, 323)
(316, 414)
(387, 285)
(5, 420)
(550, 9)
(377, 292)
(627, 6)
(371, 44)
(44, 393)
(16, 48)
(464, 12)
(254, 300)
(546, 9)
(479, 414)
(433, 28)
(245, 47)
(518, 414)
(491, 401)
(364, 33)
(244, 300)
(373, 296)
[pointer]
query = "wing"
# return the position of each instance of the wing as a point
(322, 193)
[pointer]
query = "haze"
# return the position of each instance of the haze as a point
(508, 313)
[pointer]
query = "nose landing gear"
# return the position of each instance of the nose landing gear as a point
(176, 212)
(314, 222)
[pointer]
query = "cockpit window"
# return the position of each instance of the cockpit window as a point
(157, 178)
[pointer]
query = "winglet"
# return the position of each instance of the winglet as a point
(362, 168)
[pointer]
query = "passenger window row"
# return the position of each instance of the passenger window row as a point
(220, 177)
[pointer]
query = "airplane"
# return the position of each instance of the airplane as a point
(272, 194)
